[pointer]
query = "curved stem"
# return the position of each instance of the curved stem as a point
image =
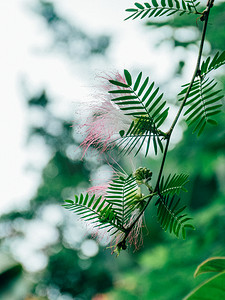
(147, 196)
(204, 18)
(162, 164)
(196, 72)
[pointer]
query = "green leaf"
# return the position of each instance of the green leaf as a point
(154, 3)
(170, 3)
(213, 122)
(118, 83)
(173, 184)
(139, 5)
(202, 103)
(148, 111)
(160, 8)
(95, 210)
(121, 195)
(131, 9)
(120, 91)
(128, 77)
(69, 201)
(171, 216)
(213, 264)
(211, 289)
(143, 87)
(137, 82)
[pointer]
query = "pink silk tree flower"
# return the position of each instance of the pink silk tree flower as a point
(134, 238)
(102, 129)
(99, 190)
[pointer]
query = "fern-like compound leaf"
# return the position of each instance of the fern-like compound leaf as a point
(122, 196)
(213, 64)
(95, 210)
(144, 103)
(172, 217)
(203, 101)
(158, 8)
(113, 212)
(173, 184)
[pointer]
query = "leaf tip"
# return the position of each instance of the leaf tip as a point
(69, 201)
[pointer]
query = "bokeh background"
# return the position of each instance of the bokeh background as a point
(52, 54)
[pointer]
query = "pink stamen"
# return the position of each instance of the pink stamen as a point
(106, 122)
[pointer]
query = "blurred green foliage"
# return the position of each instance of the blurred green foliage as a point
(163, 269)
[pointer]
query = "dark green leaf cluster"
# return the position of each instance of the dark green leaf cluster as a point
(158, 8)
(203, 101)
(123, 200)
(171, 217)
(122, 194)
(115, 211)
(173, 184)
(93, 209)
(143, 103)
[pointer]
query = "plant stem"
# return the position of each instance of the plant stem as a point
(204, 18)
(128, 230)
(196, 72)
(162, 164)
(205, 15)
(147, 196)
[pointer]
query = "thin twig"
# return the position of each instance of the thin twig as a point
(196, 72)
(204, 18)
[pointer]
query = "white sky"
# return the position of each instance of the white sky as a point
(23, 34)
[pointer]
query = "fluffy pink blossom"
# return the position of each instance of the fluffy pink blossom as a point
(98, 191)
(135, 237)
(102, 129)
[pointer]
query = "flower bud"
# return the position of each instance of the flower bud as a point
(142, 175)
